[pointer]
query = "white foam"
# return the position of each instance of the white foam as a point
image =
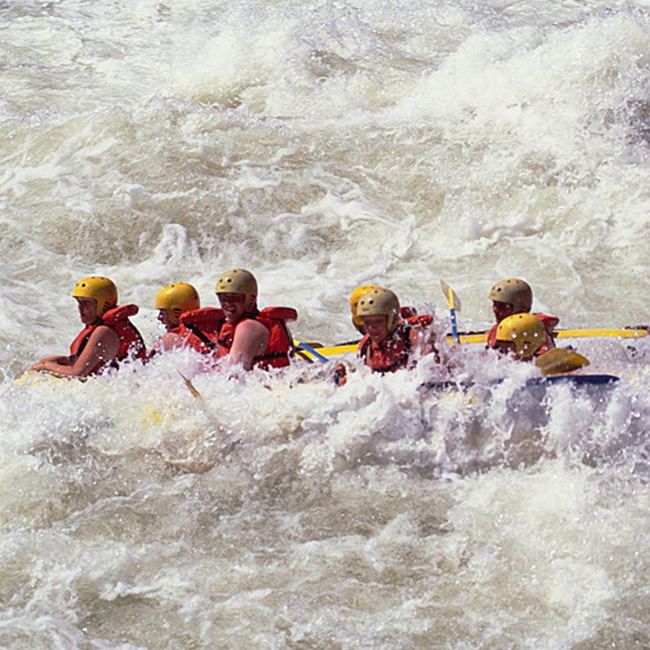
(324, 146)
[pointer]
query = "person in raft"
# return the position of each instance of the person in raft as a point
(171, 302)
(185, 322)
(251, 337)
(107, 338)
(392, 342)
(514, 296)
(356, 295)
(524, 336)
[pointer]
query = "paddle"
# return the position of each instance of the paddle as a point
(308, 348)
(560, 360)
(190, 386)
(454, 306)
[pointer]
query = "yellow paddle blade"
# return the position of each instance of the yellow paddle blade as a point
(190, 386)
(560, 360)
(450, 295)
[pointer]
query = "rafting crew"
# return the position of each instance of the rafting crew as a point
(240, 334)
(108, 338)
(238, 330)
(514, 296)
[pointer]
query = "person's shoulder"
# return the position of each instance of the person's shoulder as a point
(170, 340)
(250, 326)
(103, 332)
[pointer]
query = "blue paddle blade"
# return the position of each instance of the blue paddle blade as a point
(308, 348)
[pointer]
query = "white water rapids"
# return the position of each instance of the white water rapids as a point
(323, 145)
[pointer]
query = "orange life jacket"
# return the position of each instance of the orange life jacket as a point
(549, 322)
(280, 344)
(131, 342)
(200, 328)
(394, 352)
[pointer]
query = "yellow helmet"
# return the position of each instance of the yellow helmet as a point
(176, 299)
(239, 281)
(355, 296)
(515, 292)
(100, 289)
(526, 331)
(380, 302)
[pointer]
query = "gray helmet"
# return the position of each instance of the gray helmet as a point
(380, 302)
(239, 281)
(515, 292)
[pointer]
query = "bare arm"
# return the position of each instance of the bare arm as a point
(102, 347)
(169, 341)
(251, 339)
(64, 361)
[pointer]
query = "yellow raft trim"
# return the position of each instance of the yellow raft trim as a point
(481, 337)
(619, 333)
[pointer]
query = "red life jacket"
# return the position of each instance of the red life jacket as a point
(200, 328)
(394, 352)
(131, 342)
(549, 322)
(277, 351)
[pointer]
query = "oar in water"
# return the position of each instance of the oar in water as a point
(190, 386)
(454, 306)
(560, 360)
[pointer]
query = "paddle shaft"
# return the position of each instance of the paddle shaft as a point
(311, 350)
(454, 325)
(449, 294)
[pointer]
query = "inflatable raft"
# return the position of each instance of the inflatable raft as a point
(313, 353)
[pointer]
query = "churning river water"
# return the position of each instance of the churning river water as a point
(324, 144)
